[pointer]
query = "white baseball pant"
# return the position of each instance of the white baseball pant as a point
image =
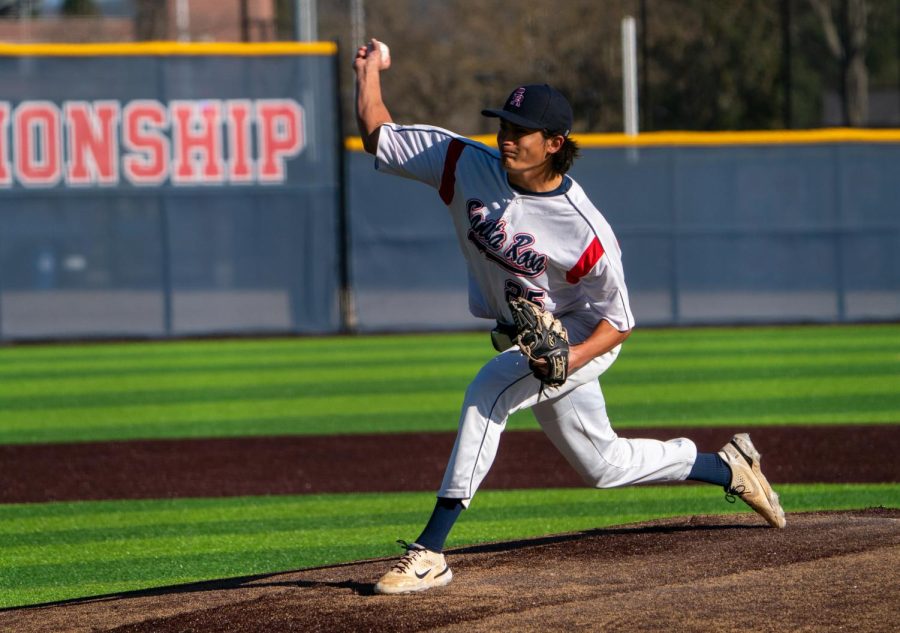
(573, 416)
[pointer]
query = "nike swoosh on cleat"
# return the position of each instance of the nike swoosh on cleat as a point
(422, 575)
(743, 454)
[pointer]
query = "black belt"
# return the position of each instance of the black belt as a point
(503, 336)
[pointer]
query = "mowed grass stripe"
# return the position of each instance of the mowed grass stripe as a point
(237, 385)
(176, 526)
(153, 546)
(337, 350)
(833, 411)
(77, 393)
(187, 566)
(235, 359)
(19, 545)
(879, 409)
(294, 355)
(238, 380)
(708, 413)
(297, 406)
(387, 385)
(216, 351)
(241, 427)
(285, 398)
(112, 546)
(259, 349)
(789, 395)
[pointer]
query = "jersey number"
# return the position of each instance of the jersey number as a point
(514, 289)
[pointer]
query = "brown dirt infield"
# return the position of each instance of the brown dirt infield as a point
(385, 463)
(824, 572)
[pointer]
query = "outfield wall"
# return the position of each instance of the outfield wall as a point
(169, 189)
(715, 228)
(166, 189)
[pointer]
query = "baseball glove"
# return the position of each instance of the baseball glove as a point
(541, 337)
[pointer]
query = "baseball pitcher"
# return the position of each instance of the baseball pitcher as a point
(545, 267)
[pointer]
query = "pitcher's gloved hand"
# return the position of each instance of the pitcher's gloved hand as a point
(543, 339)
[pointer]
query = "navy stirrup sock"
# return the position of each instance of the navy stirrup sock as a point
(446, 511)
(712, 469)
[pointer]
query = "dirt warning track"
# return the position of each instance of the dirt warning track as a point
(388, 463)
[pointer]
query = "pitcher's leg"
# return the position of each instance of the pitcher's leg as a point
(579, 427)
(504, 385)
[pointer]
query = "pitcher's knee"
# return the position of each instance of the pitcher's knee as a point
(605, 478)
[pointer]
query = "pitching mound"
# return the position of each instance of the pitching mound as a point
(826, 571)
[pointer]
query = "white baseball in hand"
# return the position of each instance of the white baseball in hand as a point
(385, 54)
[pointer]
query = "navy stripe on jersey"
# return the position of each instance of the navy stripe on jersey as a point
(628, 322)
(564, 186)
(448, 178)
(583, 216)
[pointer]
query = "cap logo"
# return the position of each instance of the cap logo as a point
(517, 97)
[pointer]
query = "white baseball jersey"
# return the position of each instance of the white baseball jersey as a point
(555, 248)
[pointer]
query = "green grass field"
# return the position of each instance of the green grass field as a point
(698, 377)
(72, 393)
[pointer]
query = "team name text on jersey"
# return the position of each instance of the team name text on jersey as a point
(489, 236)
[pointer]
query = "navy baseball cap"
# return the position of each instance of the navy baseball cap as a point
(536, 107)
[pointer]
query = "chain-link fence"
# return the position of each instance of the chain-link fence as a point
(702, 65)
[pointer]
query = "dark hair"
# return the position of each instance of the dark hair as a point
(561, 161)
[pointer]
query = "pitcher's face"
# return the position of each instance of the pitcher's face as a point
(523, 149)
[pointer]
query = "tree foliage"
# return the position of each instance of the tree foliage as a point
(714, 65)
(703, 65)
(79, 8)
(151, 19)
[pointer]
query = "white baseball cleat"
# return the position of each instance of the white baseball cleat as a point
(748, 482)
(417, 570)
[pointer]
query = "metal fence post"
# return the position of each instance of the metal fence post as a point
(347, 308)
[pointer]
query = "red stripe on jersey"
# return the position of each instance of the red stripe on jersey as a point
(448, 179)
(589, 258)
